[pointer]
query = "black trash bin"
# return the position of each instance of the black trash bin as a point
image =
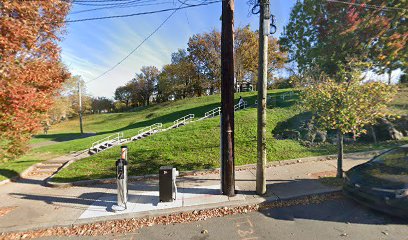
(166, 184)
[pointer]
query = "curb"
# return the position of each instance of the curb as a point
(50, 183)
(256, 204)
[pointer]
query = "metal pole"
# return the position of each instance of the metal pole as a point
(227, 99)
(262, 94)
(80, 106)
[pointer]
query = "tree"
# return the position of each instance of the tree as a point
(205, 52)
(102, 104)
(179, 79)
(144, 84)
(329, 34)
(403, 79)
(30, 68)
(347, 107)
(124, 94)
(66, 101)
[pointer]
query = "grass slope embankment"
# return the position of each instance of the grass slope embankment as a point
(196, 146)
(66, 139)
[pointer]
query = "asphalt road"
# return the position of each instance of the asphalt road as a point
(334, 219)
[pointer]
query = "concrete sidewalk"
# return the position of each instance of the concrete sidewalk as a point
(28, 203)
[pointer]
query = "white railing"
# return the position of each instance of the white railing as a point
(240, 105)
(286, 94)
(184, 119)
(109, 139)
(156, 126)
(213, 113)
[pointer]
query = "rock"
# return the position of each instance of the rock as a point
(291, 134)
(321, 136)
(385, 130)
(343, 235)
(205, 231)
(401, 124)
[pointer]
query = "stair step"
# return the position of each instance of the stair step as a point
(45, 170)
(47, 166)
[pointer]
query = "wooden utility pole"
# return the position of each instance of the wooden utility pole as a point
(227, 99)
(262, 92)
(80, 106)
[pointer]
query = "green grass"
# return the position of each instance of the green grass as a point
(107, 124)
(196, 146)
(400, 102)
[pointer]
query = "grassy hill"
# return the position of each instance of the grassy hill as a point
(195, 146)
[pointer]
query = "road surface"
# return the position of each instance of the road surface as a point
(333, 219)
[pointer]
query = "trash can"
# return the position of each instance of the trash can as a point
(167, 184)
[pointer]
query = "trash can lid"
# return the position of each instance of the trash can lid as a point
(166, 168)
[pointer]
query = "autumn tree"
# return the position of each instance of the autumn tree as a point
(205, 52)
(66, 100)
(144, 84)
(30, 68)
(101, 104)
(347, 107)
(329, 34)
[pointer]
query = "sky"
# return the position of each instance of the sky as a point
(90, 48)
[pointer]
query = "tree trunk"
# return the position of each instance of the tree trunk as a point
(340, 154)
(374, 135)
(389, 77)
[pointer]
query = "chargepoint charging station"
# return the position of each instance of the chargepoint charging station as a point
(122, 181)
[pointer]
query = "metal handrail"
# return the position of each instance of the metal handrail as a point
(238, 105)
(114, 137)
(183, 119)
(155, 126)
(213, 112)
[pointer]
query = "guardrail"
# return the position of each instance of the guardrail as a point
(242, 105)
(184, 119)
(213, 113)
(112, 138)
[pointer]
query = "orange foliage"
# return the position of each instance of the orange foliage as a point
(30, 67)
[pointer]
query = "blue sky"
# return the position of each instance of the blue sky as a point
(90, 48)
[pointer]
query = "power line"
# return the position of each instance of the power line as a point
(122, 5)
(140, 13)
(368, 5)
(138, 46)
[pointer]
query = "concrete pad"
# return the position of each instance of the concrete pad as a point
(143, 201)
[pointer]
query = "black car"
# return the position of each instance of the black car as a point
(382, 182)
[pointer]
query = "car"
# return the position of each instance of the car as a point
(382, 182)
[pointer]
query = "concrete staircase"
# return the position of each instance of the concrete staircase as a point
(182, 121)
(117, 139)
(107, 142)
(147, 131)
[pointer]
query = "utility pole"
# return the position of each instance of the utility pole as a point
(227, 99)
(264, 18)
(80, 106)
